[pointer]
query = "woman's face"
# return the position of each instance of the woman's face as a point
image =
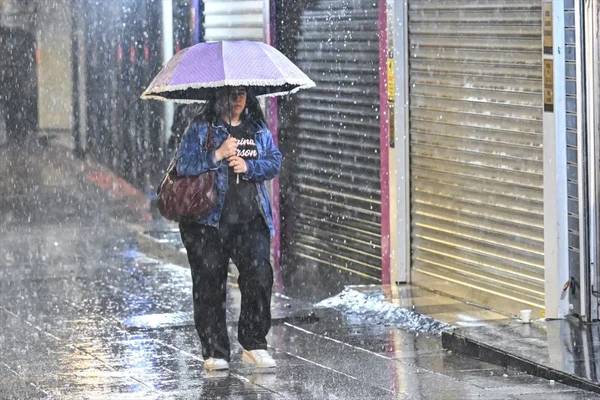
(231, 98)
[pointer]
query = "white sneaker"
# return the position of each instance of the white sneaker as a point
(215, 364)
(260, 358)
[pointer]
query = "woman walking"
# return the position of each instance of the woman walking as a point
(242, 152)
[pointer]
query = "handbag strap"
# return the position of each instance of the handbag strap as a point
(172, 168)
(207, 145)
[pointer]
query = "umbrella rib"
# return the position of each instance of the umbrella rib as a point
(274, 63)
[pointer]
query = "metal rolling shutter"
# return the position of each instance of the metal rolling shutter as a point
(476, 146)
(572, 151)
(233, 20)
(331, 188)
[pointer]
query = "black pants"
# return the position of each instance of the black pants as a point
(209, 250)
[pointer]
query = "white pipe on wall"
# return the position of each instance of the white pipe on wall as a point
(556, 247)
(399, 154)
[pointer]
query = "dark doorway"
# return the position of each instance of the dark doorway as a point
(18, 85)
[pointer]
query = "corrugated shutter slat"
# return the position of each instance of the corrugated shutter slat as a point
(233, 20)
(476, 145)
(331, 188)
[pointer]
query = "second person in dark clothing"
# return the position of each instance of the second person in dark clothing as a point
(244, 156)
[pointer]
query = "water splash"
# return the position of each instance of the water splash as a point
(373, 308)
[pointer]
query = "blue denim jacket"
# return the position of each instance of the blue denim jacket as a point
(193, 159)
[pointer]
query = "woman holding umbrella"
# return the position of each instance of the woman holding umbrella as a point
(230, 137)
(238, 229)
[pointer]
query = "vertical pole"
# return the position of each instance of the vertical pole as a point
(270, 14)
(196, 21)
(590, 121)
(400, 156)
(582, 162)
(76, 130)
(556, 250)
(82, 82)
(384, 144)
(167, 52)
(78, 103)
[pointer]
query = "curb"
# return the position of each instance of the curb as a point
(157, 249)
(461, 344)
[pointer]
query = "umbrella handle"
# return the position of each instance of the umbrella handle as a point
(237, 176)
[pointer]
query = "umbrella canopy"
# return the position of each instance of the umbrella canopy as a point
(194, 72)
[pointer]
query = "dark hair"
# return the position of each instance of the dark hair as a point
(253, 112)
(253, 107)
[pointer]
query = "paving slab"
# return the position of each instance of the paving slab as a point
(73, 272)
(566, 351)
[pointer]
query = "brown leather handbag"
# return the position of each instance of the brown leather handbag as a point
(185, 198)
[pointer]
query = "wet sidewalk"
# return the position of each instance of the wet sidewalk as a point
(64, 336)
(86, 313)
(565, 351)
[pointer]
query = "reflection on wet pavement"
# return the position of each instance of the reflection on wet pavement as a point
(84, 314)
(65, 336)
(565, 350)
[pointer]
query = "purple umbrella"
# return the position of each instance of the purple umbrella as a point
(194, 72)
